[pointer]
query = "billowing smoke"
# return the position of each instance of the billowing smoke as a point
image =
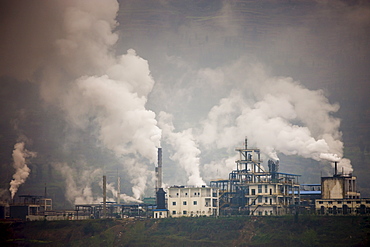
(105, 91)
(278, 115)
(112, 190)
(87, 187)
(89, 68)
(185, 150)
(20, 155)
(96, 89)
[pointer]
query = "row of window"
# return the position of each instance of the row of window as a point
(195, 203)
(185, 203)
(196, 194)
(186, 212)
(340, 202)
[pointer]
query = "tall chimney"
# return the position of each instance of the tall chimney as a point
(159, 173)
(104, 196)
(335, 168)
(118, 190)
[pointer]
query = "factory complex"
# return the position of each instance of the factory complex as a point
(250, 190)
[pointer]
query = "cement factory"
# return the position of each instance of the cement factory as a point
(250, 190)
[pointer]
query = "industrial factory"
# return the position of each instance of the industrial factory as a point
(249, 190)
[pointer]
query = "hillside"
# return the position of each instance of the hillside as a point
(230, 231)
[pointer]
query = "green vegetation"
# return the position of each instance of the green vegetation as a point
(202, 231)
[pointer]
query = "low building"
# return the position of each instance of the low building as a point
(30, 205)
(339, 195)
(192, 201)
(343, 206)
(160, 213)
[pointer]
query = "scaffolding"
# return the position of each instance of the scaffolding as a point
(251, 190)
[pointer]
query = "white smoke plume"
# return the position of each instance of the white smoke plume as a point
(111, 189)
(330, 157)
(86, 186)
(186, 152)
(79, 185)
(343, 163)
(97, 89)
(20, 155)
(278, 115)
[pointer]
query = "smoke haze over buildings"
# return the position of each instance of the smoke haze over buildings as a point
(100, 85)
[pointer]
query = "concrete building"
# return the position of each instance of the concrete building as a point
(340, 186)
(193, 201)
(343, 206)
(339, 195)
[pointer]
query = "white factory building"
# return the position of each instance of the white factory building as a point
(192, 201)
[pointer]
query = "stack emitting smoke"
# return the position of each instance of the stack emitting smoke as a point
(160, 193)
(21, 169)
(104, 196)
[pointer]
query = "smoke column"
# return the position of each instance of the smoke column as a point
(80, 74)
(185, 149)
(21, 169)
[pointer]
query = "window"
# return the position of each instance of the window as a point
(259, 188)
(195, 202)
(186, 194)
(320, 202)
(253, 192)
(173, 203)
(266, 199)
(266, 189)
(260, 199)
(173, 212)
(330, 202)
(184, 212)
(184, 203)
(160, 213)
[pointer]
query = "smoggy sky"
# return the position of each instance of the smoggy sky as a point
(95, 87)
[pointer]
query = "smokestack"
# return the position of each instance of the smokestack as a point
(159, 171)
(104, 196)
(335, 168)
(160, 193)
(118, 190)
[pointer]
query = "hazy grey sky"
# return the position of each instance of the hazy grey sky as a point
(95, 87)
